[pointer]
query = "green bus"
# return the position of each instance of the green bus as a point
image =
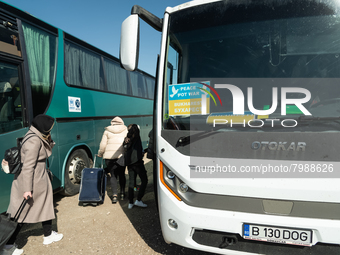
(46, 70)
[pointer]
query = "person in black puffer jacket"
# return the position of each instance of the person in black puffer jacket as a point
(134, 161)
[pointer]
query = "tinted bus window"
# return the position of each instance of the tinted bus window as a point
(41, 54)
(9, 40)
(138, 84)
(150, 84)
(83, 67)
(10, 99)
(116, 77)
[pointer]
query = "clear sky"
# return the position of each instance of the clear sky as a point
(99, 22)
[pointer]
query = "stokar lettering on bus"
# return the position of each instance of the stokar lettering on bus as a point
(274, 146)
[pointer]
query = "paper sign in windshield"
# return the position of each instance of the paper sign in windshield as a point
(189, 99)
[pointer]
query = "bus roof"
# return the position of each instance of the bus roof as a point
(188, 5)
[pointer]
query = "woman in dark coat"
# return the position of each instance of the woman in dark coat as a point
(33, 182)
(134, 160)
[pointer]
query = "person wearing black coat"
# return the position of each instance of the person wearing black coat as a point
(150, 151)
(134, 160)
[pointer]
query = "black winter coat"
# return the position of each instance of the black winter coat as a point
(133, 146)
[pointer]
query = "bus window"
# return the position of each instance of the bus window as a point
(41, 55)
(150, 86)
(138, 84)
(173, 58)
(9, 42)
(116, 77)
(83, 67)
(10, 99)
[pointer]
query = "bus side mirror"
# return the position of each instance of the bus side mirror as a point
(129, 43)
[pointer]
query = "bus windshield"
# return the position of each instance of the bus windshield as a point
(285, 57)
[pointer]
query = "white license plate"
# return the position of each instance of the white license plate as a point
(277, 234)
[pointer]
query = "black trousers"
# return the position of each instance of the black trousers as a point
(46, 225)
(115, 171)
(137, 169)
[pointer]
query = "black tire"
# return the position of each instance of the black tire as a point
(77, 161)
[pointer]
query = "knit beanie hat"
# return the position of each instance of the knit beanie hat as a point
(43, 123)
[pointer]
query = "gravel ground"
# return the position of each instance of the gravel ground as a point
(104, 229)
(114, 229)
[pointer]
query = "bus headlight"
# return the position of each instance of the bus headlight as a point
(163, 174)
(183, 187)
(170, 174)
(172, 182)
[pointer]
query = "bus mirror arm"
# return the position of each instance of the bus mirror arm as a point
(148, 17)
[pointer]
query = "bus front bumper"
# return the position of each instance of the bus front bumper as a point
(220, 231)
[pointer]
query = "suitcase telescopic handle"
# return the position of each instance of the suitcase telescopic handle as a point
(94, 162)
(21, 208)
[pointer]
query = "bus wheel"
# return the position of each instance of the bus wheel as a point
(75, 164)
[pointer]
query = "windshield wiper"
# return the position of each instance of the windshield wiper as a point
(185, 140)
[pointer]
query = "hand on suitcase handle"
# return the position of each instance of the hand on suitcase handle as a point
(94, 162)
(27, 195)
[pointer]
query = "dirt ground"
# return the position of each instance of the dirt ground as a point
(114, 229)
(104, 229)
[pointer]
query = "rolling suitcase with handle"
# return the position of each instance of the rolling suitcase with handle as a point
(92, 185)
(8, 225)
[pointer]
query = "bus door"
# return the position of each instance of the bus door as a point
(11, 117)
(13, 122)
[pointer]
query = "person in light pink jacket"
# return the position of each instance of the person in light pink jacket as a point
(111, 149)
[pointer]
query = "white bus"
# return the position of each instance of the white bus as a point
(246, 124)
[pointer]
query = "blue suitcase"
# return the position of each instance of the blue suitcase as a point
(92, 186)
